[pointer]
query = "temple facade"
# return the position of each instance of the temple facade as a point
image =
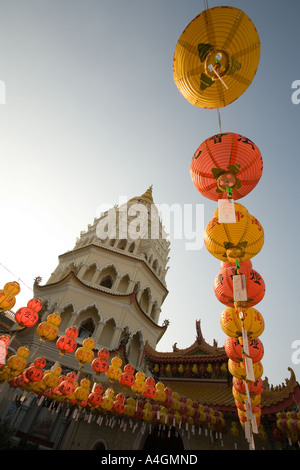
(112, 286)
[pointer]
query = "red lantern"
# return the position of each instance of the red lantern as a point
(103, 353)
(72, 331)
(234, 349)
(67, 343)
(150, 390)
(255, 387)
(127, 377)
(40, 362)
(223, 284)
(223, 161)
(33, 374)
(67, 386)
(95, 399)
(28, 316)
(36, 304)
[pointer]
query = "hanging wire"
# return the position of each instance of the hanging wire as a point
(219, 116)
(205, 4)
(18, 278)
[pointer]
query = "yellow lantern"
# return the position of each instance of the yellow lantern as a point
(114, 371)
(85, 353)
(232, 320)
(82, 392)
(130, 406)
(238, 370)
(7, 295)
(238, 241)
(48, 330)
(139, 385)
(18, 361)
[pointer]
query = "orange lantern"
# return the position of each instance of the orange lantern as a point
(118, 404)
(254, 387)
(252, 321)
(85, 354)
(34, 373)
(28, 316)
(67, 343)
(48, 330)
(95, 397)
(226, 160)
(223, 284)
(149, 391)
(67, 386)
(7, 295)
(232, 242)
(234, 349)
(127, 378)
(100, 365)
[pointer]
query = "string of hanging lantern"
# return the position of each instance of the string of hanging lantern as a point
(215, 61)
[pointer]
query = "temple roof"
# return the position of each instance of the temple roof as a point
(199, 351)
(217, 392)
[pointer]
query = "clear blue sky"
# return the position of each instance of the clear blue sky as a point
(92, 113)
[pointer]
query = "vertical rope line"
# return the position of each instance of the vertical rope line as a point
(219, 116)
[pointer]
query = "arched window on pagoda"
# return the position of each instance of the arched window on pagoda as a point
(86, 328)
(122, 244)
(131, 247)
(145, 298)
(134, 351)
(108, 277)
(107, 282)
(107, 334)
(123, 284)
(89, 274)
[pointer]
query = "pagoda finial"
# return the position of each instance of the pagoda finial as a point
(148, 193)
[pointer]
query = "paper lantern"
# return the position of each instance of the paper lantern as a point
(234, 349)
(129, 406)
(85, 354)
(150, 390)
(160, 394)
(67, 386)
(231, 323)
(7, 295)
(95, 397)
(139, 383)
(114, 371)
(127, 377)
(216, 57)
(100, 365)
(18, 362)
(48, 330)
(234, 241)
(254, 387)
(238, 370)
(33, 374)
(67, 343)
(28, 316)
(226, 161)
(82, 392)
(223, 284)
